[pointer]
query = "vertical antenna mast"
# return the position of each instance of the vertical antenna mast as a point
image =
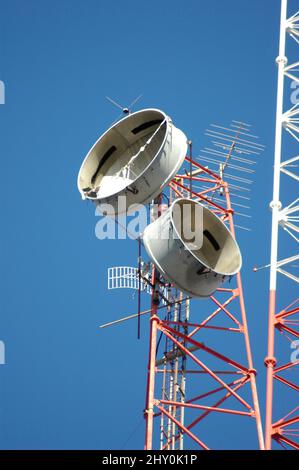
(287, 218)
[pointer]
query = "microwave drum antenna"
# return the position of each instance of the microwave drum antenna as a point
(135, 158)
(200, 269)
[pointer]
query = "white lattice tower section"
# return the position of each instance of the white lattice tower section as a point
(286, 218)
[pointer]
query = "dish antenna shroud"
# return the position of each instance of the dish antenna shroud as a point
(136, 158)
(199, 271)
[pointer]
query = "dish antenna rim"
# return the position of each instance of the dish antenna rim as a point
(212, 215)
(167, 121)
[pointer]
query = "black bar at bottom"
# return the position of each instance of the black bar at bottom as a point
(135, 458)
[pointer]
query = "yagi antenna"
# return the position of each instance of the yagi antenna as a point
(232, 153)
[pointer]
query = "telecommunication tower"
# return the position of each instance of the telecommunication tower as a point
(197, 374)
(201, 373)
(285, 216)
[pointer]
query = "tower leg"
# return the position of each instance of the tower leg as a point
(276, 206)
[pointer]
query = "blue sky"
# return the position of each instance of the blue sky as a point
(66, 383)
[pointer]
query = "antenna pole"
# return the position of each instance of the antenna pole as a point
(154, 319)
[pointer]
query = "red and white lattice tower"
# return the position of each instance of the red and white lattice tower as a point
(200, 370)
(201, 381)
(281, 412)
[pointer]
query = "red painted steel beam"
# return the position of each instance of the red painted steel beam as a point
(183, 428)
(205, 407)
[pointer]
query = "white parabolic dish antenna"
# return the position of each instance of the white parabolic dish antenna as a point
(200, 271)
(136, 158)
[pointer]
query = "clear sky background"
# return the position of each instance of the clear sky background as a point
(67, 384)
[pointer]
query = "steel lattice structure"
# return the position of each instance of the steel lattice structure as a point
(198, 375)
(194, 378)
(286, 320)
